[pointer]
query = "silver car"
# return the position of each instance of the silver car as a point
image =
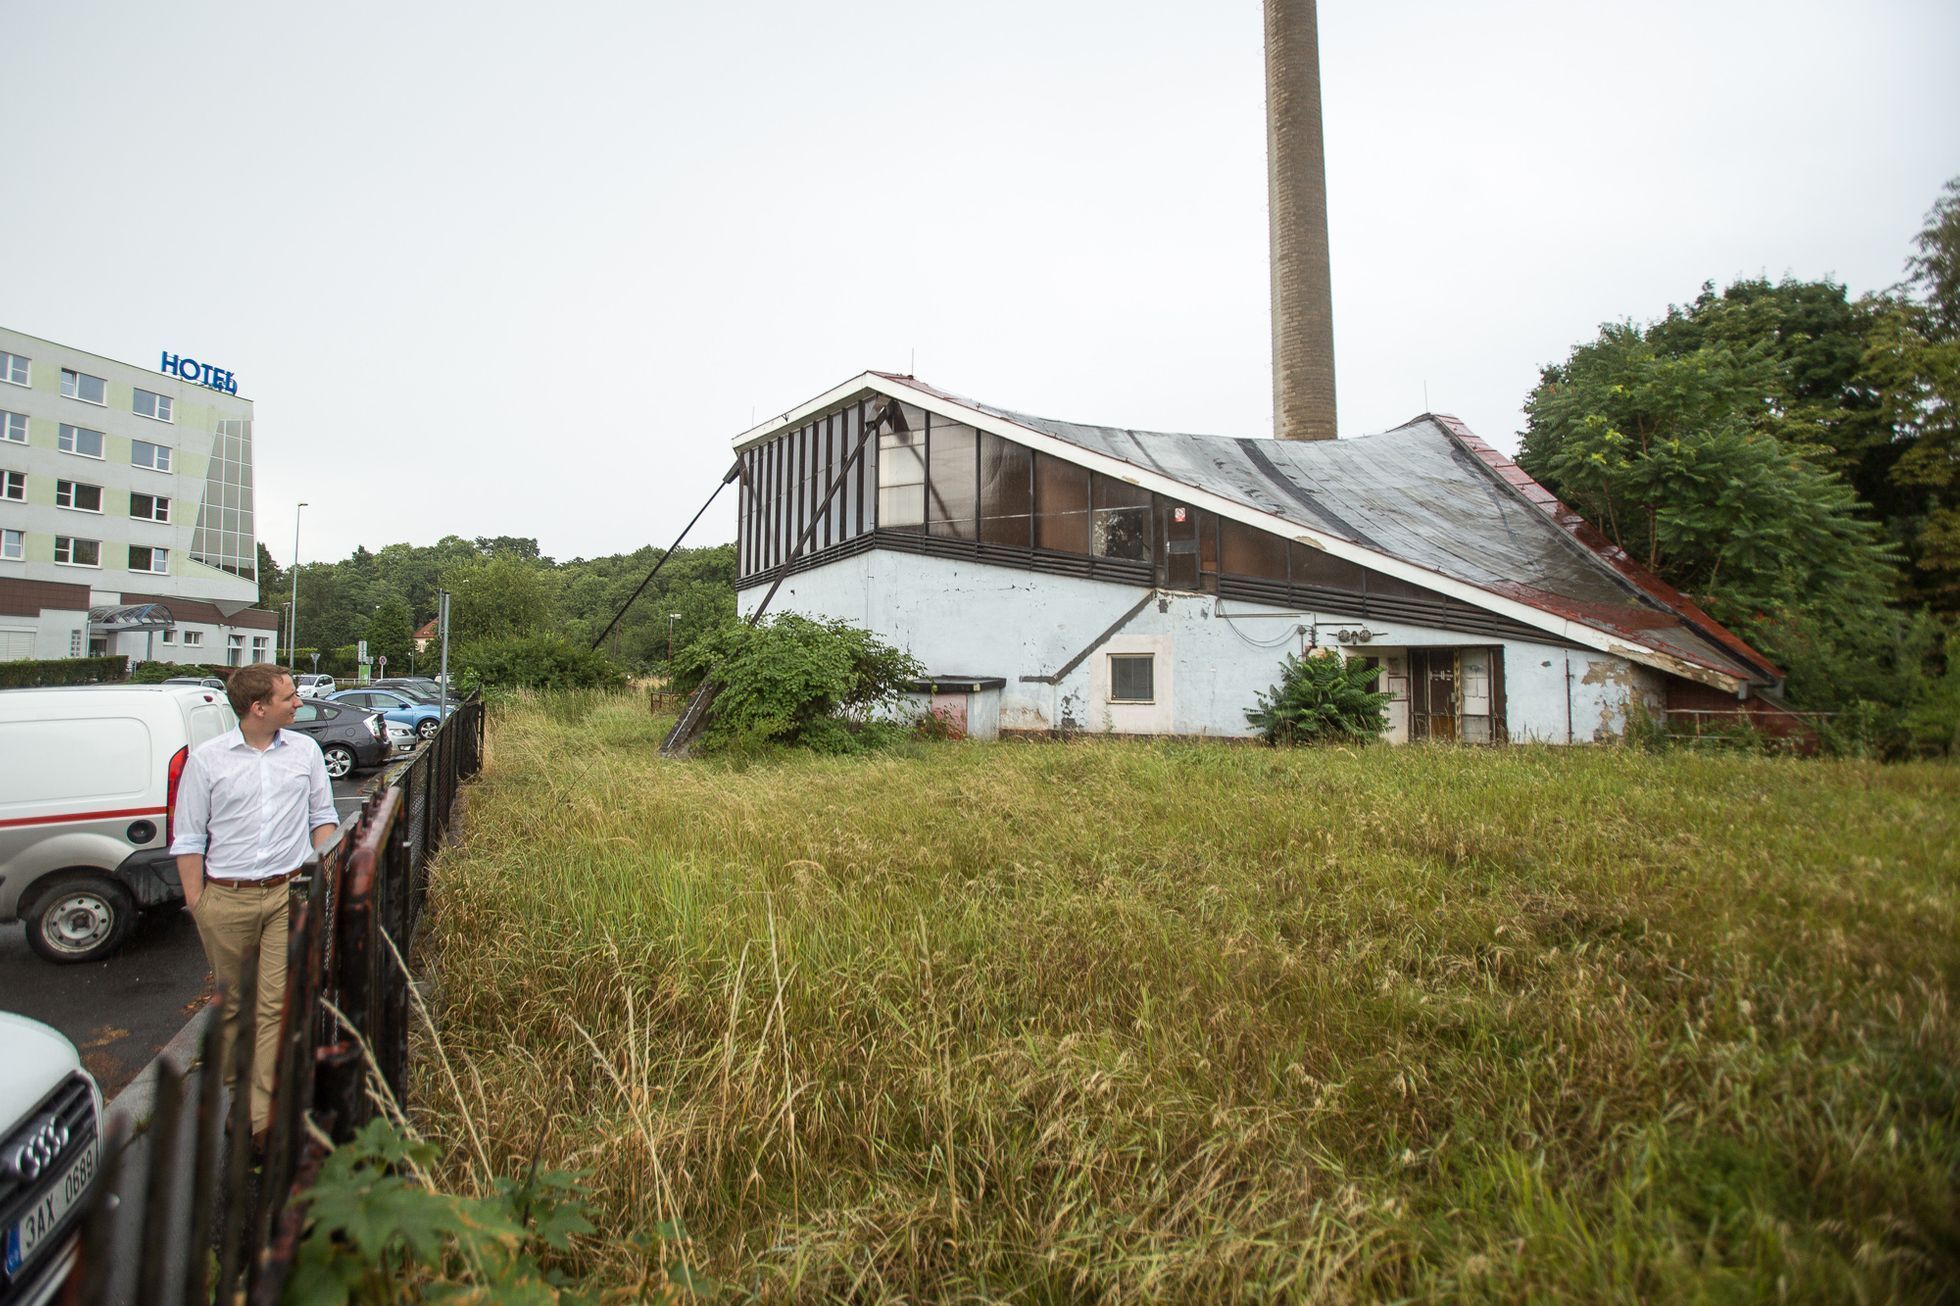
(50, 1157)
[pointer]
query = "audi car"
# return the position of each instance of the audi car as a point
(50, 1158)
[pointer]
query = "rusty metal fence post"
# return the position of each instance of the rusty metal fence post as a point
(189, 1186)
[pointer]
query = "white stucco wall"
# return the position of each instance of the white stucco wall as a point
(1213, 656)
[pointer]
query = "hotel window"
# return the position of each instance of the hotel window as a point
(234, 646)
(13, 368)
(13, 426)
(148, 404)
(82, 498)
(13, 485)
(260, 653)
(149, 507)
(154, 456)
(72, 552)
(144, 558)
(82, 386)
(168, 635)
(1132, 678)
(13, 545)
(193, 639)
(79, 440)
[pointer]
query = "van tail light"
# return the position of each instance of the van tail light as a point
(177, 761)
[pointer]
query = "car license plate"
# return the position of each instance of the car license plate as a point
(31, 1230)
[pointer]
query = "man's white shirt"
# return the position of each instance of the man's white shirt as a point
(250, 812)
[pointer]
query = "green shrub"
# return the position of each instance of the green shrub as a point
(535, 662)
(795, 681)
(1322, 698)
(43, 673)
(155, 673)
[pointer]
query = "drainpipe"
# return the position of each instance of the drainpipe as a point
(1568, 698)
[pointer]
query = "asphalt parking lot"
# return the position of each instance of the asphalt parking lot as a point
(120, 1012)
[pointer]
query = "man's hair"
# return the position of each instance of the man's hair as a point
(253, 684)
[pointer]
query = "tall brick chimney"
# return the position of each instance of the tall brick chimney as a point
(1296, 188)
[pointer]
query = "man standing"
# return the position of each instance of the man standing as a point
(250, 806)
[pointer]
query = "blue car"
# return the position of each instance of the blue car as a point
(423, 718)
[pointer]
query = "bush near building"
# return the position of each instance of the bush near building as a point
(796, 682)
(535, 662)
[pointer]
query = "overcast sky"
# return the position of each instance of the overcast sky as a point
(499, 269)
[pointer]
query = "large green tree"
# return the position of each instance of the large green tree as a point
(1675, 454)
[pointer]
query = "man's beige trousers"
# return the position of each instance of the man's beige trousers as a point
(237, 921)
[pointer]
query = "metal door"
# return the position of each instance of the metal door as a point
(1433, 679)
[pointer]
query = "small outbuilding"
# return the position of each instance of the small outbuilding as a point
(1138, 582)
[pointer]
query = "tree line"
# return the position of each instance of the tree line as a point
(1790, 457)
(502, 588)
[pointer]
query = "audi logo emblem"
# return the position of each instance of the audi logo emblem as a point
(36, 1151)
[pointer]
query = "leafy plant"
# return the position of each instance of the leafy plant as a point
(536, 662)
(1322, 698)
(795, 681)
(377, 1230)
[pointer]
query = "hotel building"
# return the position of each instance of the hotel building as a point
(126, 516)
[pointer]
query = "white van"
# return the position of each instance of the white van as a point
(88, 778)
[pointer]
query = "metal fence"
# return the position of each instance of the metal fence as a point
(180, 1215)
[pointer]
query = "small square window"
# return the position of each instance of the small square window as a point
(82, 498)
(13, 485)
(142, 558)
(168, 635)
(154, 456)
(13, 368)
(13, 426)
(77, 553)
(1132, 677)
(13, 545)
(79, 440)
(149, 507)
(150, 404)
(82, 386)
(193, 639)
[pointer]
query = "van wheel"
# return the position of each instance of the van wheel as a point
(79, 916)
(339, 759)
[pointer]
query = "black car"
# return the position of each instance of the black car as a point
(348, 737)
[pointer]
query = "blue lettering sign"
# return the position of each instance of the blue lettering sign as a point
(204, 374)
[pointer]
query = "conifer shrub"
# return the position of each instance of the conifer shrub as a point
(1322, 698)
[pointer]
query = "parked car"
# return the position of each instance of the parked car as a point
(202, 682)
(416, 687)
(88, 778)
(348, 737)
(400, 737)
(311, 685)
(50, 1158)
(424, 718)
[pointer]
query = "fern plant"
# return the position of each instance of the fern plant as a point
(1322, 698)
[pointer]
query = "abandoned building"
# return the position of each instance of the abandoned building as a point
(1056, 576)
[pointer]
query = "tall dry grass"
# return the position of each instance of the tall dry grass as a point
(1120, 1021)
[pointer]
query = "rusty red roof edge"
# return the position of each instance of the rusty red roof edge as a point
(1589, 538)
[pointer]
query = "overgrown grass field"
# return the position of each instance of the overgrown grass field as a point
(1182, 1021)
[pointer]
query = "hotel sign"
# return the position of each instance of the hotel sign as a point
(203, 374)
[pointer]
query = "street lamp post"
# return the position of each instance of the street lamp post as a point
(292, 636)
(672, 617)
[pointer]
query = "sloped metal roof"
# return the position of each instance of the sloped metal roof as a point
(1432, 494)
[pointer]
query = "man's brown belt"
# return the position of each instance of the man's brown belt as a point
(266, 883)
